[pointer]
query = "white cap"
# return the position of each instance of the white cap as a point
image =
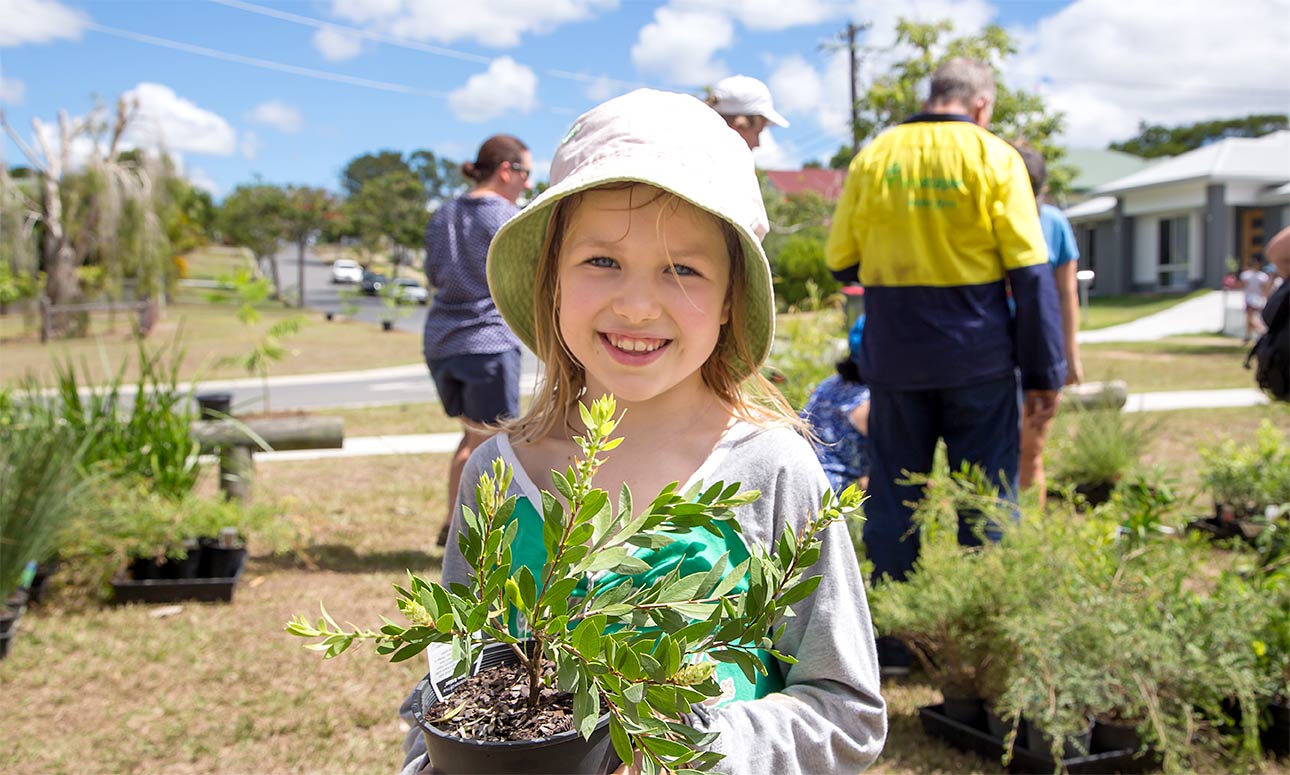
(741, 95)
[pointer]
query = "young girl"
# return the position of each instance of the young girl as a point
(640, 273)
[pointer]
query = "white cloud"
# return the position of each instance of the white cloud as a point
(680, 45)
(277, 114)
(505, 86)
(337, 45)
(795, 85)
(603, 88)
(199, 178)
(765, 14)
(39, 21)
(497, 23)
(12, 90)
(771, 155)
(1109, 64)
(250, 145)
(166, 120)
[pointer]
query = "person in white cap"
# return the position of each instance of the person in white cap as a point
(640, 273)
(744, 102)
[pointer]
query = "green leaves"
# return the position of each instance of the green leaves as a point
(633, 643)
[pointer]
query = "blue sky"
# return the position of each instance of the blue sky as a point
(289, 92)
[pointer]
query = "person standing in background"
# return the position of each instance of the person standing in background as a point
(473, 356)
(938, 220)
(1063, 257)
(744, 102)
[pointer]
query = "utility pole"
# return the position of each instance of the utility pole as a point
(852, 29)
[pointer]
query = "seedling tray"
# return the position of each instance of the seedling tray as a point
(201, 590)
(974, 740)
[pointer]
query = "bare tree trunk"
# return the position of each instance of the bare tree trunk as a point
(300, 271)
(276, 276)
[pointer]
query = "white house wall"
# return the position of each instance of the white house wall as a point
(1162, 199)
(1241, 193)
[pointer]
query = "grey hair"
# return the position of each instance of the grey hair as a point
(961, 79)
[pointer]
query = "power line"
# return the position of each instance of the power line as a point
(414, 45)
(266, 64)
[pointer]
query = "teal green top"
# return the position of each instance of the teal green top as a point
(693, 551)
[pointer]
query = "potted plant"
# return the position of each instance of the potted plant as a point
(629, 659)
(1096, 448)
(39, 482)
(1245, 480)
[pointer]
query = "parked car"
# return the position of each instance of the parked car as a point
(410, 290)
(345, 270)
(372, 283)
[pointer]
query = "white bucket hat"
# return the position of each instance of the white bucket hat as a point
(670, 141)
(742, 95)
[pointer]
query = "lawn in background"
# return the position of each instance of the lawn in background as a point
(1105, 311)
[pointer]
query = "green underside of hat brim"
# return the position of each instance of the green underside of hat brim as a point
(513, 258)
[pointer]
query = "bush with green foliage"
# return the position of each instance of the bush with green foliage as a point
(1097, 446)
(805, 352)
(1249, 477)
(39, 485)
(621, 648)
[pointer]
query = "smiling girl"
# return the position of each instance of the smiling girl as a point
(640, 273)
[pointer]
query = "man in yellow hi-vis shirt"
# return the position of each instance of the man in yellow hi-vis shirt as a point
(938, 217)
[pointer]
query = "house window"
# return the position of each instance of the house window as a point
(1174, 252)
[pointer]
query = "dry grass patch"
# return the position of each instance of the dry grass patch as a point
(208, 333)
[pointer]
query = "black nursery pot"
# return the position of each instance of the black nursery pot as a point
(219, 562)
(564, 754)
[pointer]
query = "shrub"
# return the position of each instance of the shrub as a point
(1098, 446)
(623, 646)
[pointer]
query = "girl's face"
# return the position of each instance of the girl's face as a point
(642, 292)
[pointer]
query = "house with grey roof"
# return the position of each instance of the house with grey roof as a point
(1173, 226)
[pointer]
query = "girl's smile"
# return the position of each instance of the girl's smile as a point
(643, 282)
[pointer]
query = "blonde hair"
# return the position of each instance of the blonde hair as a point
(748, 396)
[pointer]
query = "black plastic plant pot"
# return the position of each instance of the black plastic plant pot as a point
(8, 629)
(564, 754)
(1039, 742)
(219, 562)
(214, 406)
(1112, 736)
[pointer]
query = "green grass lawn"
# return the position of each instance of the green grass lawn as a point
(1176, 363)
(1106, 311)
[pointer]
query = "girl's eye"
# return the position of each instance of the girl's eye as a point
(603, 262)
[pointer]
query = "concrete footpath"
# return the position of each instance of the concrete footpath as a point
(1213, 311)
(442, 443)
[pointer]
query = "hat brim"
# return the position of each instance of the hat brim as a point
(514, 252)
(774, 117)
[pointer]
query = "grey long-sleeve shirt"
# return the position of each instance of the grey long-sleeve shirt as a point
(830, 717)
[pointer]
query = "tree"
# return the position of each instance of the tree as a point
(441, 178)
(1154, 141)
(305, 212)
(370, 166)
(391, 207)
(893, 96)
(253, 217)
(106, 212)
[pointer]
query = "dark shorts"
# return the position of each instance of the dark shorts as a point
(481, 388)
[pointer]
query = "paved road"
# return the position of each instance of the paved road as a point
(374, 387)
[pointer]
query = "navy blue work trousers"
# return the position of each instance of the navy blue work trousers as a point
(980, 424)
